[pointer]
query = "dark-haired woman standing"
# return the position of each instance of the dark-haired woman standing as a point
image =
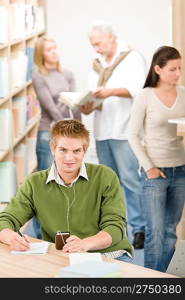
(161, 155)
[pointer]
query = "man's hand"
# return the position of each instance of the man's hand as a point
(102, 92)
(87, 108)
(14, 240)
(155, 173)
(101, 240)
(75, 244)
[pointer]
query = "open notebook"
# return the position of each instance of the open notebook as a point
(35, 248)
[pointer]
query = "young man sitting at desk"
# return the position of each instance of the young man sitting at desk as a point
(71, 196)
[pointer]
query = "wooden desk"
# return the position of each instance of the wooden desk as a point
(48, 265)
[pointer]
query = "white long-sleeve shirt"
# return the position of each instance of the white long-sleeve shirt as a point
(112, 121)
(161, 147)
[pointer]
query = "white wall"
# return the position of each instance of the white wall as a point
(144, 24)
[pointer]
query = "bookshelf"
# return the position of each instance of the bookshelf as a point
(21, 22)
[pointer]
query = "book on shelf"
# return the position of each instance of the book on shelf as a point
(29, 19)
(8, 183)
(75, 99)
(3, 25)
(33, 107)
(40, 20)
(29, 54)
(18, 67)
(23, 151)
(21, 162)
(91, 268)
(19, 109)
(6, 129)
(31, 153)
(4, 77)
(17, 20)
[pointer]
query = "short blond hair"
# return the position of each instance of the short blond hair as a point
(38, 54)
(70, 128)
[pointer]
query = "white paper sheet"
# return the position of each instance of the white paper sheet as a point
(76, 258)
(35, 248)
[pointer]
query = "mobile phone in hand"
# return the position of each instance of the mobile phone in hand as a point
(60, 239)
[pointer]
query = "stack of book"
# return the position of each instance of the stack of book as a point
(177, 120)
(90, 268)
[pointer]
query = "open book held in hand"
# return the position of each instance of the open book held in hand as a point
(75, 99)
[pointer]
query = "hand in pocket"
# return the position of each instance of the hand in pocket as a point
(155, 173)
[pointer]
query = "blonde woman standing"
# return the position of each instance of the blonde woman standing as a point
(49, 79)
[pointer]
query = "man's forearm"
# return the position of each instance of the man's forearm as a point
(121, 92)
(103, 92)
(99, 241)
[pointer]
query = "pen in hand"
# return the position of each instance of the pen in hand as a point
(19, 232)
(22, 235)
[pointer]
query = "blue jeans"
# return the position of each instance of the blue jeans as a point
(125, 258)
(33, 229)
(44, 161)
(118, 155)
(44, 156)
(163, 202)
